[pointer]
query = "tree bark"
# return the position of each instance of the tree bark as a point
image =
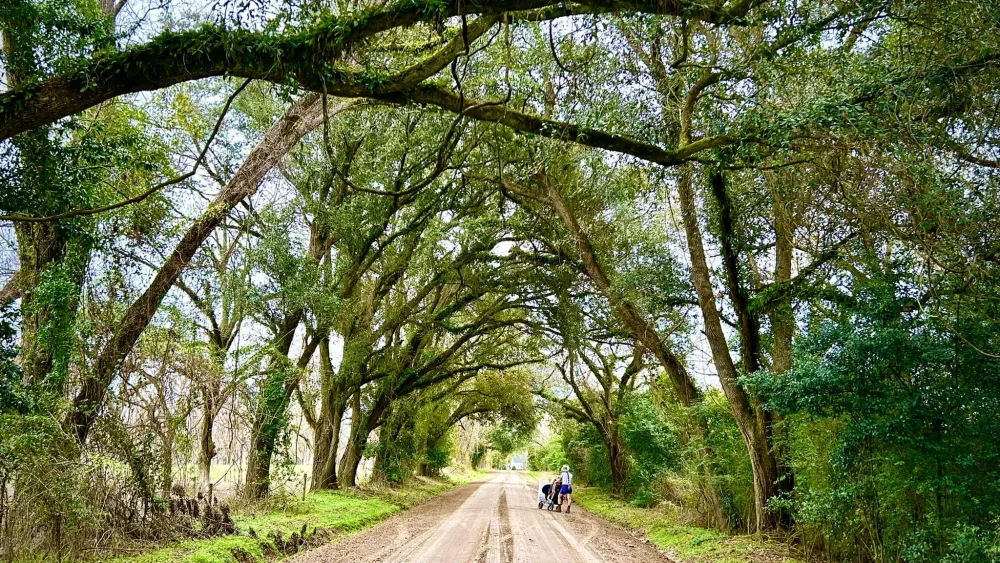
(748, 324)
(388, 435)
(327, 438)
(45, 249)
(783, 327)
(272, 404)
(42, 248)
(762, 459)
(347, 473)
(262, 443)
(362, 425)
(616, 456)
(325, 460)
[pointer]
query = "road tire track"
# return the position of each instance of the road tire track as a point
(494, 521)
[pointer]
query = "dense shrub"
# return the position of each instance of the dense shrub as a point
(893, 418)
(664, 459)
(651, 446)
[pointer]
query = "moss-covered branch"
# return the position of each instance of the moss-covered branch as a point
(308, 57)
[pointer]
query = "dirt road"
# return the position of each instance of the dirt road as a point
(495, 521)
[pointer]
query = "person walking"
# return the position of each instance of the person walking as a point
(566, 492)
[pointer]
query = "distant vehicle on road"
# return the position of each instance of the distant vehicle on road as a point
(518, 463)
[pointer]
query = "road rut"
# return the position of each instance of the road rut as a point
(493, 521)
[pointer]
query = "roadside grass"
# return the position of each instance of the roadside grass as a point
(466, 477)
(333, 513)
(688, 544)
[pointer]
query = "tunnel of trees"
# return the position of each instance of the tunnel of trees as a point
(738, 255)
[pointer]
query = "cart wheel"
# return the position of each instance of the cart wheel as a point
(550, 508)
(539, 506)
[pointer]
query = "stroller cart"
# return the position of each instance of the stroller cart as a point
(548, 495)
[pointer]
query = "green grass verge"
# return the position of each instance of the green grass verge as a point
(684, 543)
(466, 477)
(340, 512)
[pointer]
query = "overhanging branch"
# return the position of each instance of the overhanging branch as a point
(306, 56)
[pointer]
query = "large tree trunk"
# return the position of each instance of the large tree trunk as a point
(388, 436)
(762, 459)
(749, 323)
(47, 249)
(325, 457)
(303, 116)
(262, 442)
(617, 459)
(348, 470)
(749, 326)
(362, 425)
(44, 249)
(272, 406)
(268, 423)
(783, 326)
(327, 439)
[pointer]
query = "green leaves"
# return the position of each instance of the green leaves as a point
(909, 396)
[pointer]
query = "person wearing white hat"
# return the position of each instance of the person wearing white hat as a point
(566, 492)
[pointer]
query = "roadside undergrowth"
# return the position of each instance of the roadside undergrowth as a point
(685, 544)
(286, 525)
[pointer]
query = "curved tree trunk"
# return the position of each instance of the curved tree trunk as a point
(327, 444)
(348, 471)
(334, 405)
(636, 322)
(362, 425)
(762, 460)
(303, 116)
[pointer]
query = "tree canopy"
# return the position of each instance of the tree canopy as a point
(748, 246)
